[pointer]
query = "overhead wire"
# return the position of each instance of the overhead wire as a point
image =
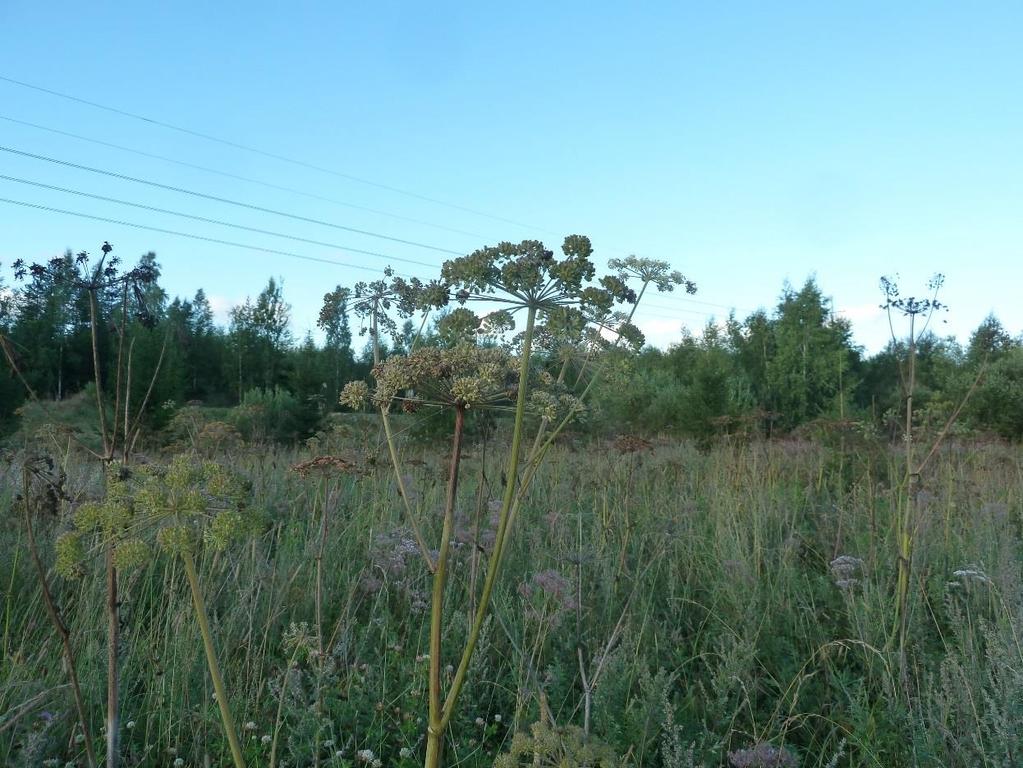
(296, 238)
(261, 209)
(239, 177)
(218, 222)
(177, 233)
(259, 249)
(643, 309)
(265, 153)
(224, 200)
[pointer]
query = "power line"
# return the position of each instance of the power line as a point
(218, 222)
(273, 251)
(191, 236)
(237, 177)
(643, 309)
(264, 153)
(227, 201)
(729, 307)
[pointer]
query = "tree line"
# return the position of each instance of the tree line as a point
(771, 373)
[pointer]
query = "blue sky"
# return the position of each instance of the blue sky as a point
(745, 143)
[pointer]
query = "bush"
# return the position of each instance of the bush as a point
(268, 415)
(998, 401)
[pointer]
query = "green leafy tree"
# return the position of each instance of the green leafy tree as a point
(989, 342)
(333, 321)
(260, 337)
(808, 374)
(997, 404)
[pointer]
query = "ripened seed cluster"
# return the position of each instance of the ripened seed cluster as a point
(187, 504)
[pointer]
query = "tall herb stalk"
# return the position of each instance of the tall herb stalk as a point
(906, 523)
(561, 305)
(92, 281)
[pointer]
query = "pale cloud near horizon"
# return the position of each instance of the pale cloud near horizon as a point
(222, 306)
(859, 313)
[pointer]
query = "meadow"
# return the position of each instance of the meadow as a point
(663, 603)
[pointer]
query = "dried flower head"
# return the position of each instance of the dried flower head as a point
(659, 273)
(327, 466)
(465, 375)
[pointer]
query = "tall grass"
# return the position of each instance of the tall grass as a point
(676, 604)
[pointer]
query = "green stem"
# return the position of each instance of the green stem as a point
(113, 666)
(211, 661)
(392, 449)
(436, 728)
(906, 519)
(60, 626)
(502, 528)
(97, 375)
(395, 462)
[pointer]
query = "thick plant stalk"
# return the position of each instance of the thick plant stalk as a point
(392, 450)
(120, 369)
(211, 660)
(906, 517)
(325, 490)
(62, 631)
(107, 448)
(136, 425)
(113, 665)
(538, 444)
(435, 731)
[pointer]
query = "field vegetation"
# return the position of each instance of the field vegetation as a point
(507, 533)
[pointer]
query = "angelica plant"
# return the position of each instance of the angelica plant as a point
(372, 303)
(118, 435)
(190, 505)
(196, 505)
(113, 523)
(915, 310)
(564, 303)
(42, 471)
